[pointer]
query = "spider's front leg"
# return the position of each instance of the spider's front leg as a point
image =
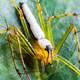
(41, 18)
(61, 16)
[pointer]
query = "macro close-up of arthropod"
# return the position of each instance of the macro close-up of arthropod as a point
(39, 40)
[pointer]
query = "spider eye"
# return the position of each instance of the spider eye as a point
(48, 49)
(20, 3)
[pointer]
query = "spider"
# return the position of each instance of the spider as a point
(35, 39)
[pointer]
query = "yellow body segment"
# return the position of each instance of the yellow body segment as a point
(42, 54)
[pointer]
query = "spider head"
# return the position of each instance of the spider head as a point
(44, 43)
(48, 49)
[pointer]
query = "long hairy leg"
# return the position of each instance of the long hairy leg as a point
(13, 57)
(22, 61)
(61, 16)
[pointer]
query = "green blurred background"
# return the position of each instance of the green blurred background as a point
(68, 51)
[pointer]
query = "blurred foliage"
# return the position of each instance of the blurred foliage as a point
(56, 71)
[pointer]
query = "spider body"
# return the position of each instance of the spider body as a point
(42, 42)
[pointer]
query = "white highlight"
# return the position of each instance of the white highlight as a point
(44, 42)
(34, 26)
